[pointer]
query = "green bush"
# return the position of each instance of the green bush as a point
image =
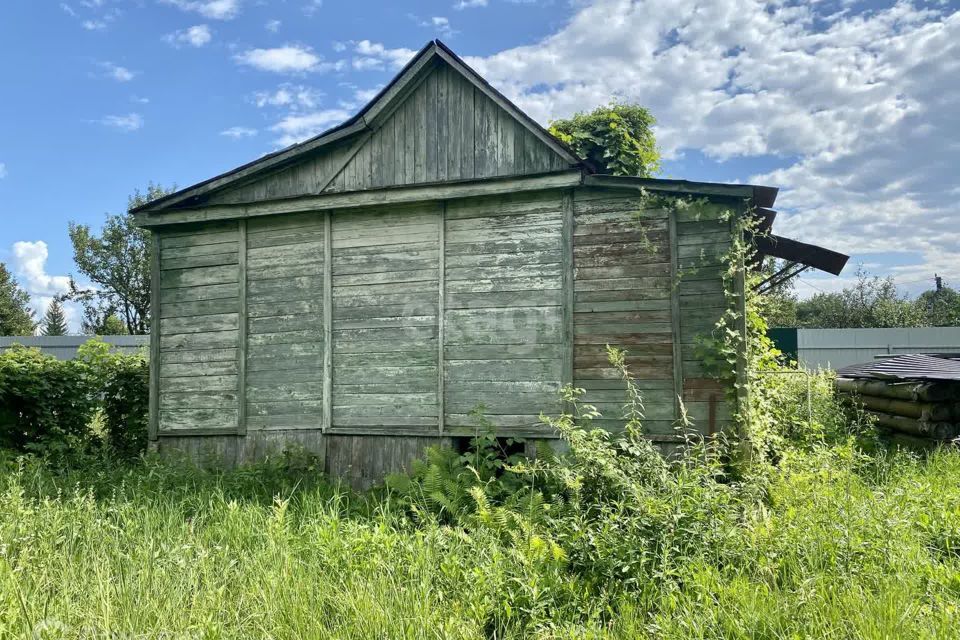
(47, 405)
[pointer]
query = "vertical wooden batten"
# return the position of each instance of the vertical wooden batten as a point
(327, 320)
(154, 422)
(242, 329)
(441, 295)
(675, 329)
(568, 284)
(743, 354)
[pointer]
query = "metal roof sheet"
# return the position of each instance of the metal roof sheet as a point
(908, 366)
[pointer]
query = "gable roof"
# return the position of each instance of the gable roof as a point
(366, 120)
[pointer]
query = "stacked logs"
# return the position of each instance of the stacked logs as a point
(928, 410)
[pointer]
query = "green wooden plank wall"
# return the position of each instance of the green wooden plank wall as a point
(622, 298)
(503, 318)
(434, 309)
(285, 337)
(446, 129)
(385, 295)
(199, 329)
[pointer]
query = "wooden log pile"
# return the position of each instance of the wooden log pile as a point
(925, 410)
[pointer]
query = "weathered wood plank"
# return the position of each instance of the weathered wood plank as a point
(205, 276)
(156, 326)
(194, 419)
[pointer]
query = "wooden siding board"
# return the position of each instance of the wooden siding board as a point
(153, 424)
(384, 318)
(498, 348)
(197, 301)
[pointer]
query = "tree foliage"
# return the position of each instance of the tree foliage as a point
(54, 320)
(117, 263)
(617, 139)
(941, 306)
(872, 302)
(16, 318)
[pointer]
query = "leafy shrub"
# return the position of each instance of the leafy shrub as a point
(612, 511)
(126, 403)
(47, 405)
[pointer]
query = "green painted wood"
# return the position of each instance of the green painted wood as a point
(185, 370)
(199, 383)
(153, 424)
(210, 260)
(200, 324)
(362, 199)
(441, 314)
(179, 278)
(202, 355)
(675, 333)
(230, 291)
(567, 286)
(242, 335)
(384, 323)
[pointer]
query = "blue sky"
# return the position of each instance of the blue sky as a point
(851, 108)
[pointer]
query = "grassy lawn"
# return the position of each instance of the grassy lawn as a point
(831, 544)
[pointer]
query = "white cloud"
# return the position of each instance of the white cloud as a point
(94, 25)
(126, 123)
(858, 108)
(272, 26)
(30, 265)
(213, 9)
(118, 73)
(312, 7)
(294, 96)
(68, 10)
(238, 133)
(139, 99)
(195, 36)
(440, 24)
(469, 4)
(3, 170)
(286, 59)
(298, 127)
(375, 56)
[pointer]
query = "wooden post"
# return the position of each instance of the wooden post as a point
(242, 331)
(568, 284)
(676, 336)
(153, 426)
(327, 320)
(743, 357)
(441, 305)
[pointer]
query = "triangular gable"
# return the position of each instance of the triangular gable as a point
(437, 121)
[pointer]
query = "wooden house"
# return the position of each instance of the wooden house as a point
(360, 293)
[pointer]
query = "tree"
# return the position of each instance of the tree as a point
(117, 263)
(54, 320)
(617, 139)
(16, 318)
(941, 307)
(873, 302)
(108, 324)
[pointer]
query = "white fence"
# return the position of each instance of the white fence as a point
(837, 348)
(65, 347)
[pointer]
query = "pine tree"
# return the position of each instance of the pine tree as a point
(55, 320)
(16, 318)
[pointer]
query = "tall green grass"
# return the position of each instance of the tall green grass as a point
(844, 545)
